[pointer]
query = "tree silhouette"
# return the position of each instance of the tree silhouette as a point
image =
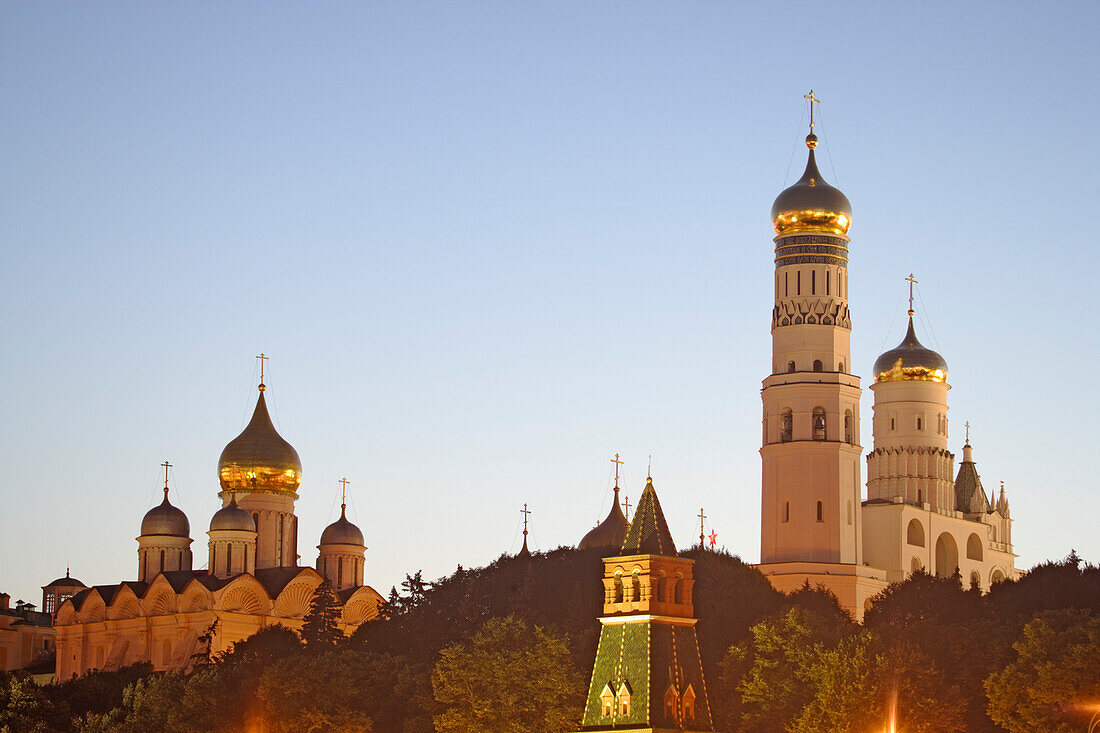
(319, 630)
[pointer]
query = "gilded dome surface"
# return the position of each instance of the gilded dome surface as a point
(811, 204)
(910, 361)
(610, 533)
(165, 519)
(342, 532)
(232, 517)
(259, 459)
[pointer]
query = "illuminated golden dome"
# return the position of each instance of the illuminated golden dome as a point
(259, 459)
(811, 204)
(910, 361)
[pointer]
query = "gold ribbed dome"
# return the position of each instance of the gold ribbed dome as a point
(811, 204)
(910, 361)
(259, 459)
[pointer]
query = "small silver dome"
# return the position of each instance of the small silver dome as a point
(232, 517)
(342, 532)
(165, 519)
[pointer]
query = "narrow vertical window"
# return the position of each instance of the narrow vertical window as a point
(819, 423)
(790, 366)
(827, 283)
(279, 544)
(340, 574)
(786, 511)
(229, 559)
(818, 366)
(847, 426)
(162, 561)
(786, 284)
(820, 513)
(813, 282)
(786, 426)
(798, 282)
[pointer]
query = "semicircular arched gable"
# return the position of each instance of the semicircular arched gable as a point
(195, 597)
(362, 606)
(293, 602)
(244, 595)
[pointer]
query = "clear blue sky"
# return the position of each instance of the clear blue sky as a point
(489, 245)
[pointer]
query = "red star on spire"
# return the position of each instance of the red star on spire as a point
(713, 537)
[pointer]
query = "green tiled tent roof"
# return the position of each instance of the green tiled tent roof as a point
(648, 533)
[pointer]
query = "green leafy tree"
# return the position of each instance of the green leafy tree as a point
(316, 694)
(24, 708)
(319, 630)
(509, 677)
(1057, 668)
(770, 671)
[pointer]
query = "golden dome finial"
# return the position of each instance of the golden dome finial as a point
(262, 359)
(912, 281)
(166, 465)
(343, 494)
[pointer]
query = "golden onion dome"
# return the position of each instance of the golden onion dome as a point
(910, 361)
(811, 204)
(259, 459)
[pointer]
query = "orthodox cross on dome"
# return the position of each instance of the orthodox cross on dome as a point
(912, 281)
(702, 536)
(617, 463)
(812, 100)
(524, 512)
(262, 359)
(713, 537)
(626, 506)
(344, 493)
(166, 465)
(968, 432)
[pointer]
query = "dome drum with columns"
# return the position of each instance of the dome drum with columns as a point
(252, 578)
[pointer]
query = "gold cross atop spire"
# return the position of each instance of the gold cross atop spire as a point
(344, 493)
(812, 100)
(702, 534)
(649, 468)
(912, 281)
(626, 503)
(262, 359)
(166, 465)
(968, 432)
(617, 463)
(524, 512)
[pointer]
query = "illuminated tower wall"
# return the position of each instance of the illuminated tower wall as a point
(811, 484)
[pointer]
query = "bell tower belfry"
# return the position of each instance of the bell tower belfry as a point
(810, 486)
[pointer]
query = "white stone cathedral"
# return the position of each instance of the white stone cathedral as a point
(815, 526)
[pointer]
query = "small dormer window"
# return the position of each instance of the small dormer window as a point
(607, 700)
(689, 704)
(672, 702)
(624, 699)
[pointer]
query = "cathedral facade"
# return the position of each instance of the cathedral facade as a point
(173, 612)
(919, 514)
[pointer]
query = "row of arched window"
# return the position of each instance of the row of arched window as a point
(819, 425)
(817, 366)
(820, 512)
(666, 590)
